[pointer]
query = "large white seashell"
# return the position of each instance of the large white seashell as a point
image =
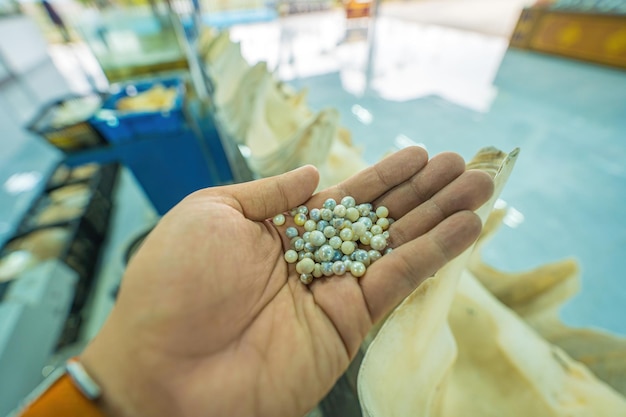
(451, 348)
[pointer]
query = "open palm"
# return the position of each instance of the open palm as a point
(211, 321)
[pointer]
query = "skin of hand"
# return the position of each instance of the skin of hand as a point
(211, 320)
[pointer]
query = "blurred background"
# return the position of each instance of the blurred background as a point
(111, 111)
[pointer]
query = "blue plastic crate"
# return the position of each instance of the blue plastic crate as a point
(118, 126)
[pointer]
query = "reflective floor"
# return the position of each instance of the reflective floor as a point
(405, 82)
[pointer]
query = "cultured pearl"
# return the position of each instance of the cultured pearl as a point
(364, 209)
(317, 270)
(346, 234)
(322, 224)
(382, 211)
(330, 231)
(291, 232)
(317, 238)
(303, 209)
(337, 255)
(279, 219)
(383, 222)
(378, 242)
(309, 247)
(302, 255)
(298, 244)
(335, 242)
(352, 214)
(376, 230)
(327, 214)
(337, 223)
(306, 278)
(305, 266)
(362, 256)
(366, 238)
(315, 214)
(374, 255)
(330, 204)
(367, 222)
(326, 253)
(347, 247)
(357, 269)
(316, 256)
(293, 211)
(348, 264)
(386, 234)
(310, 225)
(327, 268)
(299, 219)
(388, 251)
(339, 210)
(348, 201)
(339, 268)
(347, 224)
(306, 236)
(359, 228)
(373, 217)
(291, 256)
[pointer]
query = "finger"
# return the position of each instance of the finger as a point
(440, 171)
(259, 200)
(467, 192)
(374, 181)
(396, 275)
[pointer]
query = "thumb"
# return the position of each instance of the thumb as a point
(267, 197)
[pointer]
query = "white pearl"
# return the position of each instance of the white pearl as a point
(329, 231)
(376, 230)
(279, 219)
(383, 222)
(339, 268)
(359, 228)
(382, 211)
(378, 242)
(310, 225)
(305, 266)
(346, 234)
(335, 242)
(339, 210)
(306, 278)
(317, 238)
(357, 269)
(374, 255)
(348, 201)
(317, 270)
(366, 238)
(291, 256)
(352, 214)
(347, 247)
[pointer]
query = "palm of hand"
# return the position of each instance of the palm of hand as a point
(224, 324)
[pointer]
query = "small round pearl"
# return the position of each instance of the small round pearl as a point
(347, 224)
(376, 230)
(339, 210)
(322, 224)
(364, 209)
(291, 256)
(309, 247)
(366, 238)
(299, 219)
(315, 214)
(335, 242)
(293, 211)
(388, 251)
(317, 238)
(326, 253)
(279, 219)
(382, 211)
(306, 236)
(302, 255)
(306, 278)
(386, 234)
(346, 234)
(339, 268)
(383, 222)
(337, 223)
(347, 247)
(378, 242)
(374, 255)
(291, 232)
(359, 228)
(327, 268)
(305, 266)
(362, 256)
(348, 201)
(352, 214)
(298, 244)
(303, 209)
(373, 217)
(338, 255)
(330, 204)
(357, 269)
(367, 222)
(327, 214)
(317, 270)
(348, 264)
(310, 225)
(330, 231)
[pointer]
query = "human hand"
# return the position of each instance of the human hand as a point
(211, 321)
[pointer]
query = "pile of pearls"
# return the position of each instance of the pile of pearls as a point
(336, 238)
